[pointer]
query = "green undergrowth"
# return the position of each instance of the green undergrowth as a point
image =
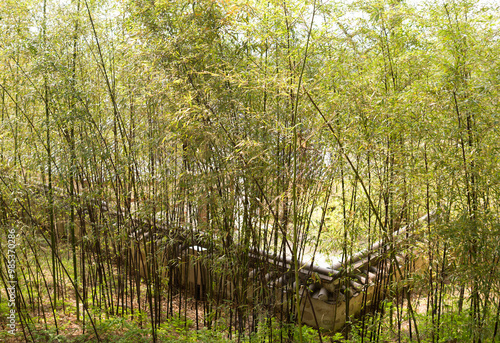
(124, 330)
(453, 326)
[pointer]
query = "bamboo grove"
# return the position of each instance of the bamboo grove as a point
(276, 126)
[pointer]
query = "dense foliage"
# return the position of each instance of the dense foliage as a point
(275, 126)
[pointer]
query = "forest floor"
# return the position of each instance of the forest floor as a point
(136, 327)
(182, 317)
(65, 326)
